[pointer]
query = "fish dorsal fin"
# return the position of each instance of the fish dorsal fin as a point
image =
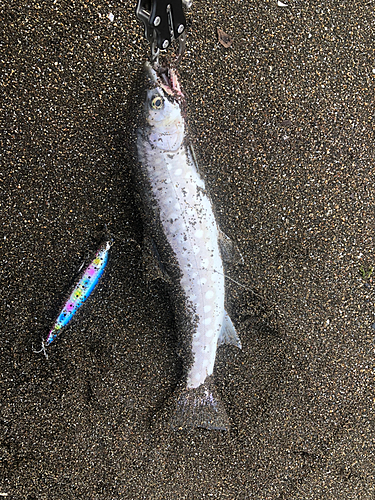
(228, 334)
(229, 250)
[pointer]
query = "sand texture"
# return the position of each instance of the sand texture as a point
(283, 124)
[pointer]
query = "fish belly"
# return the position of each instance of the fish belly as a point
(189, 225)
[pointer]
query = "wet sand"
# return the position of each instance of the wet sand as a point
(283, 124)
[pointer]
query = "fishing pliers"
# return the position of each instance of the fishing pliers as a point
(164, 22)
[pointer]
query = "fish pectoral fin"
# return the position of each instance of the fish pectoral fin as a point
(151, 259)
(228, 334)
(193, 157)
(229, 250)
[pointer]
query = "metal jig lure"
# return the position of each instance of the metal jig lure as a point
(80, 293)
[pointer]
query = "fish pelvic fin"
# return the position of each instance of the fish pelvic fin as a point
(198, 407)
(229, 250)
(228, 334)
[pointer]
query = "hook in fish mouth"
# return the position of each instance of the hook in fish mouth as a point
(164, 77)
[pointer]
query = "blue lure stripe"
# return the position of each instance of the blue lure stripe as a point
(82, 291)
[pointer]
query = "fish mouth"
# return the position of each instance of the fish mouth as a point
(164, 78)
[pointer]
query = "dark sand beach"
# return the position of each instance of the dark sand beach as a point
(283, 122)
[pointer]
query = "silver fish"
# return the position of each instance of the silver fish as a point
(185, 241)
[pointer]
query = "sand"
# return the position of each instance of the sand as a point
(282, 121)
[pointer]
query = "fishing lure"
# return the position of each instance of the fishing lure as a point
(81, 292)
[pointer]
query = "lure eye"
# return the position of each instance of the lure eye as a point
(157, 102)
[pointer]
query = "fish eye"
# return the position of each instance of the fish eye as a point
(157, 102)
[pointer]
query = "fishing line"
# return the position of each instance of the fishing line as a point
(238, 283)
(222, 274)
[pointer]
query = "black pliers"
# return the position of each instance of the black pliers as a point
(164, 22)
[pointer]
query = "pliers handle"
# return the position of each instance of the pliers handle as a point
(164, 21)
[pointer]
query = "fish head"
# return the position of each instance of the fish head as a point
(165, 125)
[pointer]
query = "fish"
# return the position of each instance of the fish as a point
(186, 244)
(81, 292)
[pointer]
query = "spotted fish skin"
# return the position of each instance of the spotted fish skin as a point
(189, 225)
(82, 291)
(187, 220)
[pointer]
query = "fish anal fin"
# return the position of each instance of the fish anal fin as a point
(228, 334)
(229, 250)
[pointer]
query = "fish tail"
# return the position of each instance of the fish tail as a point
(198, 407)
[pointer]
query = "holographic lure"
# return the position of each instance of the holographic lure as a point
(81, 291)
